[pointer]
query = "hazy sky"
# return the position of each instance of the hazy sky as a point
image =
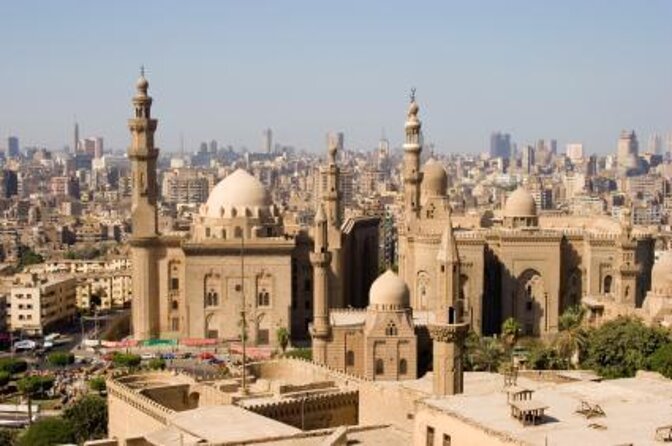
(571, 70)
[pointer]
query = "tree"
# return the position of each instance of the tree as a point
(543, 357)
(483, 353)
(98, 384)
(48, 432)
(29, 257)
(510, 332)
(35, 385)
(300, 353)
(282, 334)
(661, 360)
(622, 346)
(88, 418)
(572, 338)
(61, 359)
(129, 360)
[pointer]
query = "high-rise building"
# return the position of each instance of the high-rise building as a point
(267, 141)
(13, 147)
(500, 145)
(75, 147)
(98, 147)
(627, 150)
(574, 151)
(655, 144)
(213, 146)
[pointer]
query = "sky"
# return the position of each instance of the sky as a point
(572, 70)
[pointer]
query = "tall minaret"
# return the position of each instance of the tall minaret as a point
(320, 259)
(448, 331)
(412, 150)
(144, 239)
(331, 194)
(331, 200)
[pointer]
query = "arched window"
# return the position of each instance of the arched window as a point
(238, 232)
(174, 305)
(263, 298)
(380, 367)
(403, 366)
(627, 292)
(212, 298)
(349, 358)
(391, 329)
(606, 287)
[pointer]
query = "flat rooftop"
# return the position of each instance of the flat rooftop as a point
(634, 408)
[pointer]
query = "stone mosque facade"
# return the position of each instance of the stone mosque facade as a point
(235, 256)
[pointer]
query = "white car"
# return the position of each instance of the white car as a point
(148, 355)
(26, 344)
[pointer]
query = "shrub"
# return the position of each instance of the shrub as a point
(4, 379)
(301, 353)
(61, 359)
(88, 418)
(661, 360)
(129, 360)
(13, 366)
(35, 385)
(157, 364)
(48, 432)
(97, 384)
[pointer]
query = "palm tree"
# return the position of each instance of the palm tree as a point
(572, 337)
(486, 354)
(510, 332)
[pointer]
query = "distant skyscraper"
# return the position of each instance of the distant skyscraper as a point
(500, 145)
(75, 146)
(655, 144)
(213, 146)
(574, 151)
(627, 150)
(203, 148)
(553, 146)
(267, 141)
(13, 147)
(98, 147)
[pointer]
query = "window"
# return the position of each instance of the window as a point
(207, 232)
(174, 305)
(606, 287)
(380, 367)
(403, 366)
(429, 439)
(175, 324)
(211, 298)
(263, 298)
(446, 440)
(391, 329)
(349, 358)
(262, 337)
(174, 283)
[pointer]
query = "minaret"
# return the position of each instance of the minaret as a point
(332, 207)
(627, 267)
(412, 150)
(331, 196)
(144, 239)
(448, 331)
(320, 259)
(75, 147)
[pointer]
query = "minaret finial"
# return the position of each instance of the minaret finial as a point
(412, 94)
(142, 70)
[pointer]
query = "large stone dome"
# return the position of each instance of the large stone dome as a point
(434, 178)
(389, 291)
(238, 191)
(661, 274)
(520, 204)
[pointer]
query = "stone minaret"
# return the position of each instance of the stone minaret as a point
(412, 149)
(320, 259)
(627, 268)
(332, 207)
(448, 331)
(144, 239)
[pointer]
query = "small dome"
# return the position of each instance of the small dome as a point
(434, 179)
(520, 204)
(240, 189)
(661, 274)
(388, 290)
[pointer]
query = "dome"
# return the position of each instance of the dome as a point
(240, 189)
(388, 290)
(434, 178)
(520, 204)
(661, 274)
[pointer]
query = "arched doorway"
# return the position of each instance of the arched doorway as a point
(423, 291)
(530, 305)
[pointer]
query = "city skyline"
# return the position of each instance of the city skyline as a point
(573, 72)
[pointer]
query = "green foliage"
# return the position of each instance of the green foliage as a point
(35, 385)
(510, 332)
(48, 432)
(621, 347)
(282, 335)
(301, 353)
(4, 379)
(88, 418)
(157, 364)
(543, 357)
(661, 360)
(29, 257)
(61, 359)
(572, 339)
(483, 353)
(9, 437)
(129, 360)
(13, 366)
(97, 384)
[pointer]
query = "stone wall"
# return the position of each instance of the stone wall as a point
(132, 414)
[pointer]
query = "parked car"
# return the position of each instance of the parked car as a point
(148, 356)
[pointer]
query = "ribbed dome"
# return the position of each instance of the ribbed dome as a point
(389, 291)
(520, 204)
(238, 190)
(434, 178)
(661, 274)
